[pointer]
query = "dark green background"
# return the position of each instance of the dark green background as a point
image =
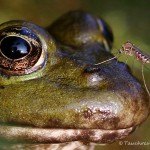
(130, 20)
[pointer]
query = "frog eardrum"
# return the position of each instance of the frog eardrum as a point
(21, 49)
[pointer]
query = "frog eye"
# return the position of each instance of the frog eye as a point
(21, 51)
(107, 33)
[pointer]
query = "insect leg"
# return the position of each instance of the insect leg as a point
(115, 57)
(144, 80)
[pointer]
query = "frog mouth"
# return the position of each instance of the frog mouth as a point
(46, 135)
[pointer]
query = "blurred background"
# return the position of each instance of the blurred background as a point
(129, 20)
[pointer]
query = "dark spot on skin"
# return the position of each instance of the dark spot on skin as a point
(110, 137)
(104, 112)
(85, 135)
(54, 123)
(109, 119)
(106, 119)
(112, 122)
(87, 113)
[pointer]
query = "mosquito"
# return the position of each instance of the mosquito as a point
(130, 49)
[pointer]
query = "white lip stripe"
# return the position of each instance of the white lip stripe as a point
(61, 135)
(77, 145)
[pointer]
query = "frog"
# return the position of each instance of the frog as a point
(51, 91)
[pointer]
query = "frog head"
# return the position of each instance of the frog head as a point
(52, 91)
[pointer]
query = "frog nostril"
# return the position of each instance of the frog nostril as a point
(14, 47)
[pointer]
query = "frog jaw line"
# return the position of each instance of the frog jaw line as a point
(41, 135)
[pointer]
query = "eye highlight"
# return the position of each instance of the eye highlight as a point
(21, 51)
(14, 47)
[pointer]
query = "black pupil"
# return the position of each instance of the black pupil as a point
(14, 47)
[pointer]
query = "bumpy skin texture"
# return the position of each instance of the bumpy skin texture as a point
(70, 92)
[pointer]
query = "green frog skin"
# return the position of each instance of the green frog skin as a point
(61, 96)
